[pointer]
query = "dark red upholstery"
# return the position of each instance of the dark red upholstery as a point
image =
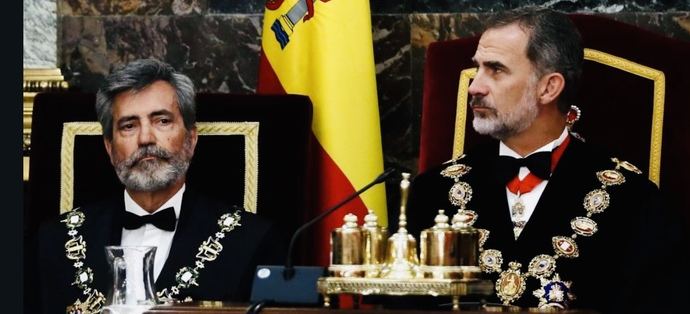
(218, 165)
(616, 106)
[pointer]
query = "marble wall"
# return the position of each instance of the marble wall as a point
(40, 34)
(217, 42)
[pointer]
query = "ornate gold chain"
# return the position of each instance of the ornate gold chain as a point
(511, 282)
(75, 250)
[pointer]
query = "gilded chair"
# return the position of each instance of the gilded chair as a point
(634, 100)
(252, 152)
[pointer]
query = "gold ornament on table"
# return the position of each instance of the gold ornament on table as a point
(450, 251)
(346, 249)
(390, 265)
(374, 245)
(401, 260)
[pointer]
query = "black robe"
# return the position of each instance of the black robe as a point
(624, 267)
(227, 278)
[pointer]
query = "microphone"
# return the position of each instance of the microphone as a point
(302, 289)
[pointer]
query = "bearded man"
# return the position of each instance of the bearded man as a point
(562, 224)
(205, 250)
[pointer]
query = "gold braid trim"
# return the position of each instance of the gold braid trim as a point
(595, 56)
(70, 130)
(658, 102)
(250, 131)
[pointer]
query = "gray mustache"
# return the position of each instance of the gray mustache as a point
(147, 151)
(479, 102)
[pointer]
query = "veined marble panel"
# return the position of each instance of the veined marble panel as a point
(131, 7)
(392, 57)
(608, 6)
(219, 53)
(40, 34)
(243, 6)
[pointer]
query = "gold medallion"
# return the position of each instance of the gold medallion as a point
(626, 165)
(75, 248)
(483, 236)
(583, 226)
(74, 219)
(518, 209)
(610, 177)
(554, 293)
(542, 266)
(460, 194)
(92, 305)
(596, 201)
(565, 247)
(465, 217)
(455, 171)
(83, 278)
(187, 277)
(491, 261)
(228, 221)
(511, 283)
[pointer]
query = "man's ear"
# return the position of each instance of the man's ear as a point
(550, 87)
(195, 136)
(108, 148)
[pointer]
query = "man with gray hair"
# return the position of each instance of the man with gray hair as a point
(562, 224)
(205, 250)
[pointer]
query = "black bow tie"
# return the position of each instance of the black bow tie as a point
(538, 164)
(164, 220)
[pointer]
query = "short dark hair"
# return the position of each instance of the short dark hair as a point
(136, 76)
(554, 45)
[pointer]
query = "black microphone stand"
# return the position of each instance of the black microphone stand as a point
(289, 271)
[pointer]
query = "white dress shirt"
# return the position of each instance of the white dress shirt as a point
(530, 199)
(149, 235)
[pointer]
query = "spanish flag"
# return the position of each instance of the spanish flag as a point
(324, 49)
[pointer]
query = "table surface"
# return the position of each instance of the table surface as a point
(226, 308)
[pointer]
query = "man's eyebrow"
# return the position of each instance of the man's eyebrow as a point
(127, 119)
(162, 112)
(495, 65)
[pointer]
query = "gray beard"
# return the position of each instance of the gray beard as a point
(156, 174)
(503, 125)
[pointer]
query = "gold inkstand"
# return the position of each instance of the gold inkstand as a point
(449, 259)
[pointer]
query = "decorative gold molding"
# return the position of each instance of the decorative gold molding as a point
(658, 102)
(36, 81)
(461, 111)
(595, 56)
(250, 131)
(454, 288)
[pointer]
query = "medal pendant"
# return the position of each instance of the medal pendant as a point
(596, 201)
(583, 226)
(542, 266)
(467, 217)
(483, 236)
(518, 209)
(511, 283)
(565, 247)
(491, 261)
(455, 171)
(610, 177)
(460, 194)
(554, 293)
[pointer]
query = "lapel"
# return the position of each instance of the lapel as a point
(104, 228)
(492, 204)
(193, 227)
(555, 208)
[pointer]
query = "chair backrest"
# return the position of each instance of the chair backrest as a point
(631, 93)
(252, 152)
